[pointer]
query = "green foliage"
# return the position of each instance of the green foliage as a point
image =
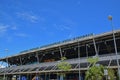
(63, 58)
(97, 72)
(93, 60)
(64, 65)
(111, 74)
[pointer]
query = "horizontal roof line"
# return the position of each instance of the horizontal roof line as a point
(67, 41)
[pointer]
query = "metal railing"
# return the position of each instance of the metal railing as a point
(52, 65)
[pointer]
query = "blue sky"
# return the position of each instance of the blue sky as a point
(25, 24)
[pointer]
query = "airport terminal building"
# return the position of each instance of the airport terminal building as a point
(42, 61)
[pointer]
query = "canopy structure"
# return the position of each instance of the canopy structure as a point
(44, 59)
(52, 66)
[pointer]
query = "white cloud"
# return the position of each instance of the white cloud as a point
(67, 24)
(14, 27)
(3, 29)
(21, 35)
(28, 16)
(62, 27)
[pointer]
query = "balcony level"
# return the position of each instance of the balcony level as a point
(106, 60)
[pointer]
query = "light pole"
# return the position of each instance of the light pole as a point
(79, 59)
(4, 78)
(6, 50)
(110, 18)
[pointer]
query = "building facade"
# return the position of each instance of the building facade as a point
(42, 61)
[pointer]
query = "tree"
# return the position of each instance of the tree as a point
(62, 65)
(96, 72)
(111, 74)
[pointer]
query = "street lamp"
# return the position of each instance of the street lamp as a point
(110, 18)
(79, 59)
(4, 77)
(6, 50)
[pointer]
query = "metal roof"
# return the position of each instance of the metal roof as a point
(62, 43)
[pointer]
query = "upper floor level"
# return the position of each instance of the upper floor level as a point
(83, 46)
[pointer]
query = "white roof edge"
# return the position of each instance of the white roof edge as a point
(64, 43)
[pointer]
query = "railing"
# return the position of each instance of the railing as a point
(46, 65)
